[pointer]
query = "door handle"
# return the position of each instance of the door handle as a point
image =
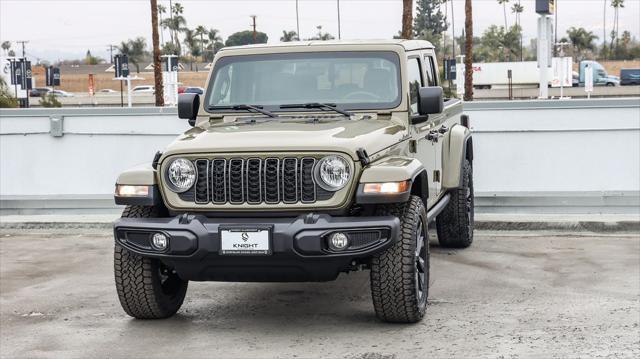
(443, 129)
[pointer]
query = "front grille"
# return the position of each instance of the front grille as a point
(255, 180)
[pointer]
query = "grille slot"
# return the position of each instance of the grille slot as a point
(255, 180)
(202, 184)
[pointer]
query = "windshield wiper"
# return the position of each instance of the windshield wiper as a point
(257, 109)
(329, 106)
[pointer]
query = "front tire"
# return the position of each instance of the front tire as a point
(400, 275)
(455, 223)
(147, 288)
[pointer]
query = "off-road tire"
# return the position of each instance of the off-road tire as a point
(455, 223)
(394, 273)
(147, 289)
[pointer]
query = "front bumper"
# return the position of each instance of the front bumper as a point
(299, 250)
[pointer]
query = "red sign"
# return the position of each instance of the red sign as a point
(92, 85)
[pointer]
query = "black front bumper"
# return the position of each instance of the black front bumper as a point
(299, 249)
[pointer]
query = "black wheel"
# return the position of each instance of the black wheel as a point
(147, 289)
(455, 223)
(610, 84)
(400, 275)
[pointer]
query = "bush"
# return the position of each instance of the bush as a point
(49, 100)
(6, 99)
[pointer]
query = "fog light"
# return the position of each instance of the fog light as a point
(338, 241)
(159, 241)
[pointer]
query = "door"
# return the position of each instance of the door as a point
(438, 122)
(425, 145)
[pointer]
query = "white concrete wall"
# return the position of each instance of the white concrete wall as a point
(530, 156)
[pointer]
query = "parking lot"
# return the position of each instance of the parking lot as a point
(509, 295)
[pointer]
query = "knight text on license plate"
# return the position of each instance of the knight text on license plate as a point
(245, 242)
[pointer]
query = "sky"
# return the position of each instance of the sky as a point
(66, 29)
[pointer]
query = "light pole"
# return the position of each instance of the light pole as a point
(338, 3)
(297, 21)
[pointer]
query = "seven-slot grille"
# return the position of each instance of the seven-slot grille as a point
(252, 180)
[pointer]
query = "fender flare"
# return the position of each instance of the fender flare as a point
(142, 175)
(394, 169)
(457, 148)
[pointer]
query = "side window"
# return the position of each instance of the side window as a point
(415, 82)
(431, 71)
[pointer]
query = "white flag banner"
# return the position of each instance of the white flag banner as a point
(588, 79)
(562, 71)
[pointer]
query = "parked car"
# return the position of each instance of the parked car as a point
(143, 89)
(629, 77)
(196, 90)
(334, 158)
(39, 91)
(107, 91)
(60, 93)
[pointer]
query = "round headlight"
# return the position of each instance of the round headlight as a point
(332, 173)
(181, 175)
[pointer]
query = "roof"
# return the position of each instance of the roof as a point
(406, 44)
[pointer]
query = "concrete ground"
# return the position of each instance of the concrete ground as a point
(511, 295)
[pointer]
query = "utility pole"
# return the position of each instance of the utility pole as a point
(338, 19)
(254, 28)
(23, 42)
(111, 53)
(298, 21)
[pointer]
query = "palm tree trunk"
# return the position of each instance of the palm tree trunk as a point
(604, 30)
(157, 71)
(468, 51)
(201, 49)
(407, 19)
(504, 10)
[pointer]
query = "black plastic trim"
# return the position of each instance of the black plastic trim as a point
(287, 262)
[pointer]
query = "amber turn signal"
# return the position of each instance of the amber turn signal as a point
(387, 187)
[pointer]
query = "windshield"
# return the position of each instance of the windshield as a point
(350, 80)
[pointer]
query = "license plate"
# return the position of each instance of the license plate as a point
(245, 242)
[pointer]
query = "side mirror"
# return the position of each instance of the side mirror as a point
(188, 107)
(430, 100)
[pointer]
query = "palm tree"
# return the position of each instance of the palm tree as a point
(214, 42)
(517, 9)
(161, 10)
(407, 19)
(581, 40)
(201, 31)
(504, 10)
(6, 45)
(468, 51)
(157, 71)
(135, 49)
(288, 36)
(176, 24)
(192, 43)
(616, 4)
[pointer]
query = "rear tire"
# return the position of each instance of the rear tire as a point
(400, 275)
(147, 289)
(455, 223)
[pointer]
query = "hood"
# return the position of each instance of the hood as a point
(328, 135)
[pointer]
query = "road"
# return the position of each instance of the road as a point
(508, 296)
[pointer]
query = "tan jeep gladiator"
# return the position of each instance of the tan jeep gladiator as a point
(303, 160)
